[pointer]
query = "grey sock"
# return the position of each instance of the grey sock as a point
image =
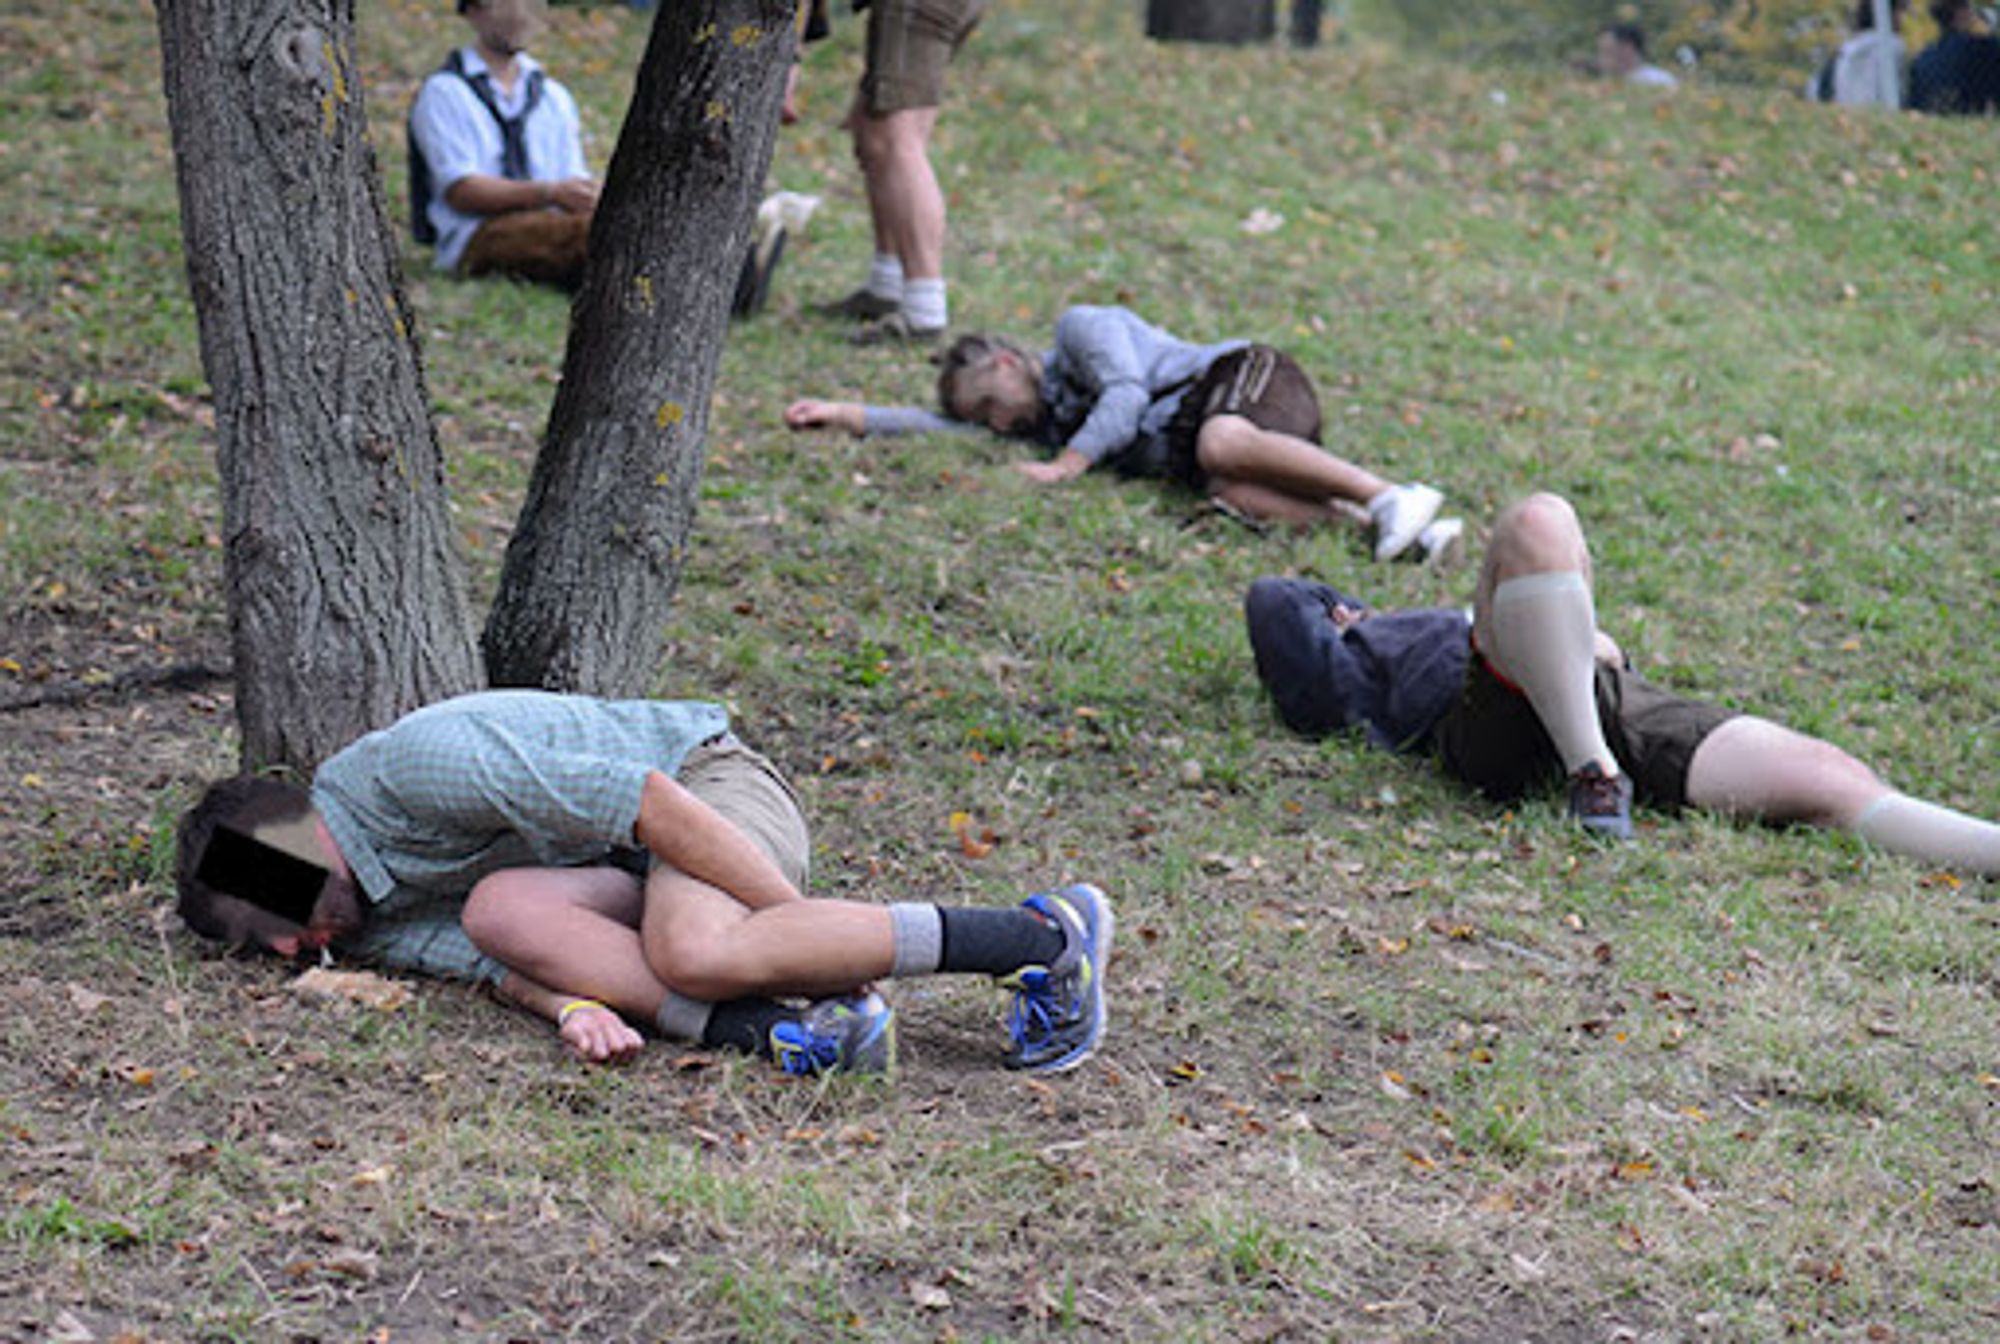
(682, 1019)
(918, 932)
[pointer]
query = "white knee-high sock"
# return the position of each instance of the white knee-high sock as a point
(1544, 640)
(1906, 825)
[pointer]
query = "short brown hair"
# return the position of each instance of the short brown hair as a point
(236, 805)
(970, 356)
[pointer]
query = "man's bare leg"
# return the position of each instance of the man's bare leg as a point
(1536, 624)
(1753, 767)
(906, 206)
(1235, 448)
(1273, 505)
(708, 945)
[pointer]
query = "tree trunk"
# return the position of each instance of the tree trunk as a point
(589, 576)
(345, 587)
(1211, 20)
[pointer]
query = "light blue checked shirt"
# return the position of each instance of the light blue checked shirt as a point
(424, 808)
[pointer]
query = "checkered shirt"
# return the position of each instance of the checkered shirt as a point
(422, 809)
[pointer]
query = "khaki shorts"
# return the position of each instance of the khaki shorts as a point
(1491, 738)
(910, 45)
(750, 793)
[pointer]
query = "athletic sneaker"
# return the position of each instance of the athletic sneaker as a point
(895, 329)
(1057, 1016)
(1441, 545)
(863, 305)
(1602, 803)
(1401, 513)
(851, 1035)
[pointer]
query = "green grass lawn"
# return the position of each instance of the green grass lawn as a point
(1386, 1063)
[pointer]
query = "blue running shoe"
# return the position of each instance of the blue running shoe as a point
(851, 1035)
(1057, 1016)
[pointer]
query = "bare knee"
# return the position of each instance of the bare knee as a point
(693, 961)
(1840, 785)
(1542, 523)
(879, 141)
(1222, 444)
(492, 912)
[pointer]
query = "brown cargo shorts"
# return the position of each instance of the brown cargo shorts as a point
(910, 46)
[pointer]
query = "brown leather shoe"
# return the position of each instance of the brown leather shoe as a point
(895, 329)
(860, 306)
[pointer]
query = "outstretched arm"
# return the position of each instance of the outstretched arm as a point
(807, 413)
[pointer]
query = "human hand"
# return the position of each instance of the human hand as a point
(1345, 617)
(597, 1034)
(788, 111)
(575, 195)
(807, 413)
(1061, 468)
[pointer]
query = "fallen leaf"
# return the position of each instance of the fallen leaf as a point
(369, 990)
(928, 1296)
(86, 1001)
(352, 1262)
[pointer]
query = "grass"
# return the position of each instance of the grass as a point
(1386, 1063)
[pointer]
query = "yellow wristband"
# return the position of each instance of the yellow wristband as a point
(576, 1006)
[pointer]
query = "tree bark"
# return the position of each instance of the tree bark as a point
(345, 589)
(589, 577)
(1211, 20)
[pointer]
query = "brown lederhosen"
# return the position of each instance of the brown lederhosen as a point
(1264, 386)
(1492, 739)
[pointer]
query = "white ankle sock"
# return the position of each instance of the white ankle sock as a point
(924, 303)
(1906, 825)
(1544, 641)
(885, 277)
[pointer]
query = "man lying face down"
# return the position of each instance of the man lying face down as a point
(597, 861)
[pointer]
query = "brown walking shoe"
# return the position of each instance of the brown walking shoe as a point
(861, 306)
(895, 329)
(1602, 803)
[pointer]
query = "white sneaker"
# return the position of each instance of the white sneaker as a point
(1401, 513)
(1441, 544)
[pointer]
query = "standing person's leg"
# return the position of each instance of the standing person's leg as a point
(910, 46)
(1536, 625)
(1753, 767)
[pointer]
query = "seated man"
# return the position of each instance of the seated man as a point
(595, 860)
(1959, 74)
(1237, 421)
(1529, 692)
(1621, 54)
(497, 177)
